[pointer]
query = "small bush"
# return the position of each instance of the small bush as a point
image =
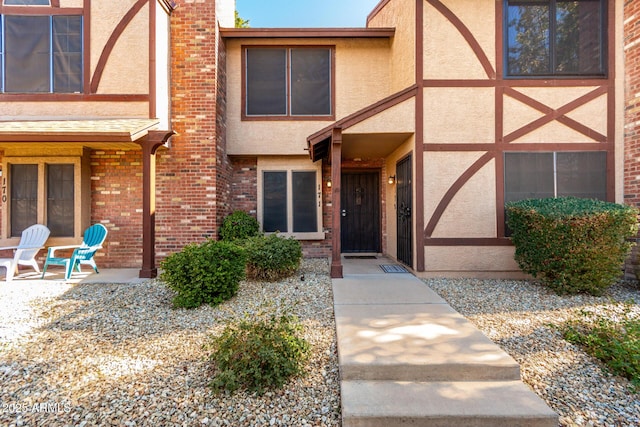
(208, 273)
(572, 245)
(272, 258)
(258, 354)
(239, 225)
(614, 342)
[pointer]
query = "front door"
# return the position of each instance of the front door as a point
(360, 210)
(404, 203)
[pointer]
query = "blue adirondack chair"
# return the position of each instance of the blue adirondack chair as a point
(82, 254)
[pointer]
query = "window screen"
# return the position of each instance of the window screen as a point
(60, 200)
(528, 176)
(27, 53)
(310, 82)
(304, 202)
(24, 197)
(67, 54)
(582, 174)
(274, 202)
(266, 82)
(555, 37)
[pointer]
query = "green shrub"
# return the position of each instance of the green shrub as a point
(614, 342)
(208, 273)
(258, 354)
(239, 225)
(572, 245)
(272, 257)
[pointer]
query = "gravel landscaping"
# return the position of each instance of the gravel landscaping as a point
(101, 355)
(118, 354)
(518, 316)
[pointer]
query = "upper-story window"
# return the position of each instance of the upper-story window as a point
(288, 82)
(41, 53)
(555, 38)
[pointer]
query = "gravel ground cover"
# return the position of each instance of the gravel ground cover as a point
(518, 316)
(103, 355)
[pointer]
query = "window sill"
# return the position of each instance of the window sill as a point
(302, 236)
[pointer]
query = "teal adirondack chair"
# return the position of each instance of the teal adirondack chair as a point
(94, 236)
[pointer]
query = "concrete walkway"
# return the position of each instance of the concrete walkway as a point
(407, 358)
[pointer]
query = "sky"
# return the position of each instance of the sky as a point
(305, 13)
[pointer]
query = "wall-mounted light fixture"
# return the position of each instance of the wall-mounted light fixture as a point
(392, 179)
(329, 183)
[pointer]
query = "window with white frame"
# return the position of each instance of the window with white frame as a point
(41, 54)
(289, 201)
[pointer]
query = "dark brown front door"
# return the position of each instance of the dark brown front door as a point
(404, 203)
(360, 210)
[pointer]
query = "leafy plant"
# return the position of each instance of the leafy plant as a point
(272, 257)
(207, 273)
(572, 245)
(258, 354)
(616, 343)
(239, 225)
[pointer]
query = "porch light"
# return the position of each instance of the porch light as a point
(329, 183)
(392, 179)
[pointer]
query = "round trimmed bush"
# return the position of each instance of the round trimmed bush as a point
(207, 273)
(239, 225)
(272, 257)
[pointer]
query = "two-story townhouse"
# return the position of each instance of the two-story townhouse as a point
(425, 124)
(84, 106)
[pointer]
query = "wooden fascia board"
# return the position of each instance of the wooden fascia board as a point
(307, 32)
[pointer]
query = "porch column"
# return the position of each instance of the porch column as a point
(336, 167)
(150, 144)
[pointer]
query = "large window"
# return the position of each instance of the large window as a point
(555, 37)
(41, 54)
(288, 82)
(541, 175)
(43, 191)
(289, 202)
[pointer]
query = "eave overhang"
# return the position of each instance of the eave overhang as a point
(297, 33)
(115, 133)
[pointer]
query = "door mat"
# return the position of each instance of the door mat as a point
(360, 257)
(393, 268)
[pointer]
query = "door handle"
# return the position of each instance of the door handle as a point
(344, 212)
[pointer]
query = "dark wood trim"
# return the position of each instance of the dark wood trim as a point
(152, 59)
(611, 101)
(288, 117)
(363, 114)
(468, 241)
(71, 97)
(39, 10)
(525, 146)
(55, 3)
(86, 47)
(150, 144)
(298, 33)
(468, 36)
(377, 10)
(453, 190)
(419, 139)
(458, 83)
(336, 179)
(111, 42)
(558, 114)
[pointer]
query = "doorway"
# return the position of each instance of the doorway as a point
(404, 203)
(360, 212)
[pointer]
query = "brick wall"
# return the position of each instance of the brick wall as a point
(193, 175)
(632, 113)
(116, 202)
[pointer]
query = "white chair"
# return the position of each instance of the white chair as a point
(31, 241)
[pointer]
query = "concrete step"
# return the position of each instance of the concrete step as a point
(416, 342)
(443, 404)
